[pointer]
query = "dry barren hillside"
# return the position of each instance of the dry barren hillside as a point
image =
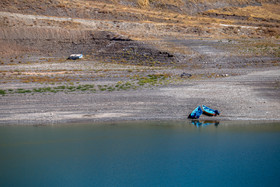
(150, 28)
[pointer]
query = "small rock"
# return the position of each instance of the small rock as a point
(185, 75)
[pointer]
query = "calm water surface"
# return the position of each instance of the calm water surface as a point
(141, 154)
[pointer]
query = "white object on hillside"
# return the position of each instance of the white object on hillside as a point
(75, 56)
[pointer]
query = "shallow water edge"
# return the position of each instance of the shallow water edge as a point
(197, 123)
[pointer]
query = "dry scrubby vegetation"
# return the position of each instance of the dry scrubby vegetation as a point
(135, 83)
(132, 8)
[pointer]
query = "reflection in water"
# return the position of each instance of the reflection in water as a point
(198, 123)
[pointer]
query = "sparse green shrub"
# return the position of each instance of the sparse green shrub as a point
(2, 92)
(155, 79)
(110, 88)
(20, 90)
(71, 88)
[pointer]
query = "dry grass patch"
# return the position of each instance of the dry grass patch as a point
(266, 11)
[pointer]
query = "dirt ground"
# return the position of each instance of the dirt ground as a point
(134, 60)
(254, 96)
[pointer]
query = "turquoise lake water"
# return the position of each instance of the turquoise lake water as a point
(141, 154)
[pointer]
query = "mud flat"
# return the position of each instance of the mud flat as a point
(254, 96)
